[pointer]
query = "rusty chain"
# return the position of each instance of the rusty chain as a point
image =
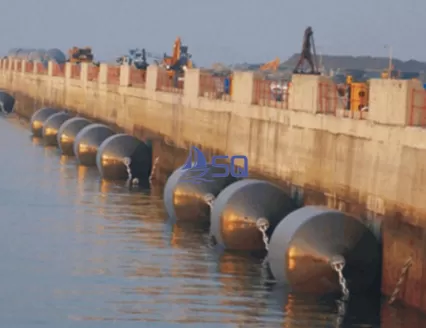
(401, 279)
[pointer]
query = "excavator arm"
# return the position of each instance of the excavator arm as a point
(271, 66)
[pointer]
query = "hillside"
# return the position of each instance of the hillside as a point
(363, 62)
(349, 62)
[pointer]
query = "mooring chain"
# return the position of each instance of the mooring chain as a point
(338, 264)
(209, 199)
(341, 312)
(211, 240)
(401, 279)
(2, 108)
(154, 169)
(127, 161)
(263, 225)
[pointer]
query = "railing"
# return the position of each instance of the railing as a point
(93, 73)
(41, 69)
(29, 67)
(137, 77)
(270, 93)
(417, 116)
(113, 75)
(215, 87)
(75, 71)
(169, 82)
(343, 101)
(58, 69)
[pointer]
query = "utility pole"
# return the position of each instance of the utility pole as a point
(389, 47)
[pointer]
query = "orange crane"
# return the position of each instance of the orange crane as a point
(271, 66)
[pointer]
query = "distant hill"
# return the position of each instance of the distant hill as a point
(362, 62)
(348, 62)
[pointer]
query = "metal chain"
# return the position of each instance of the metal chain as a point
(263, 225)
(127, 161)
(154, 169)
(3, 110)
(401, 279)
(338, 264)
(341, 312)
(211, 240)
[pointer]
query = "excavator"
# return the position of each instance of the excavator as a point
(80, 55)
(179, 61)
(273, 65)
(279, 89)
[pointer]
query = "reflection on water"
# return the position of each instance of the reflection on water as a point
(76, 249)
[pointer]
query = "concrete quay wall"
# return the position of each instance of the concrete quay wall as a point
(371, 165)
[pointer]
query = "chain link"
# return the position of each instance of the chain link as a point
(3, 110)
(263, 225)
(209, 199)
(338, 264)
(401, 279)
(127, 161)
(211, 240)
(341, 312)
(154, 169)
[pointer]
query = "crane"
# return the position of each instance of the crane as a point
(273, 65)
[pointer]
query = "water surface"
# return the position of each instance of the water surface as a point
(76, 251)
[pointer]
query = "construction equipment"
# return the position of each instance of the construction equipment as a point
(273, 65)
(180, 59)
(136, 58)
(354, 93)
(358, 96)
(178, 62)
(278, 87)
(80, 55)
(308, 53)
(390, 74)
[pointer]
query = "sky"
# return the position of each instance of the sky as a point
(229, 31)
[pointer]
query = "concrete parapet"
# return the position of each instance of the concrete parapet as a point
(191, 89)
(103, 74)
(242, 87)
(152, 77)
(392, 101)
(124, 75)
(312, 94)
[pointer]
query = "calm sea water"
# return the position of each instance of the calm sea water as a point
(76, 251)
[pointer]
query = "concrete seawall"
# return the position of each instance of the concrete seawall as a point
(371, 165)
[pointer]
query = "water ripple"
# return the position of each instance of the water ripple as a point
(76, 249)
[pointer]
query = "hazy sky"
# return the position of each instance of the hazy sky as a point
(218, 30)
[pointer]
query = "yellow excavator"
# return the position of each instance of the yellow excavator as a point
(80, 55)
